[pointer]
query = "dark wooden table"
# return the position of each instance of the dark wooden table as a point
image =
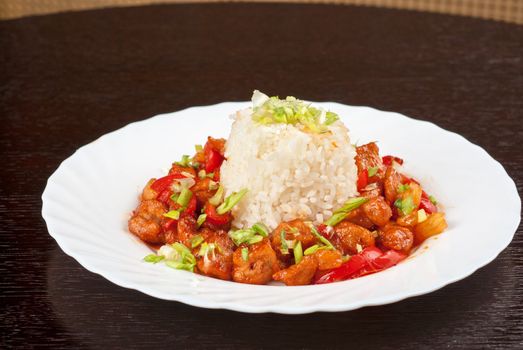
(67, 79)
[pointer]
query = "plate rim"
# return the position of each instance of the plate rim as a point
(281, 308)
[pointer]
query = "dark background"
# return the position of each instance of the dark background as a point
(67, 79)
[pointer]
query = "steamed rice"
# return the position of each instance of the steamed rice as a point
(290, 173)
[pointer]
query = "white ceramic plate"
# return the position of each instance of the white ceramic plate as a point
(88, 199)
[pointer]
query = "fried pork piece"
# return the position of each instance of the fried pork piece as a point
(293, 230)
(396, 237)
(299, 274)
(391, 183)
(258, 267)
(186, 230)
(377, 211)
(368, 156)
(214, 254)
(347, 236)
(186, 171)
(328, 259)
(148, 193)
(146, 222)
(202, 189)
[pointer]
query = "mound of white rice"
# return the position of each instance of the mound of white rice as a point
(289, 173)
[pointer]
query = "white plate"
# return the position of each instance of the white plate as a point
(88, 199)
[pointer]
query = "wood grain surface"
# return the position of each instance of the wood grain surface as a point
(67, 79)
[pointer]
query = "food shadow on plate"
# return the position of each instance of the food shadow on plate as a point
(98, 313)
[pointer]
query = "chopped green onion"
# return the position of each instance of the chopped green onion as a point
(184, 258)
(207, 248)
(261, 229)
(210, 175)
(242, 236)
(198, 148)
(174, 197)
(195, 165)
(284, 247)
(217, 198)
(184, 198)
(343, 212)
(403, 188)
(202, 174)
(405, 205)
(321, 238)
(153, 258)
(196, 241)
(173, 214)
(312, 249)
(213, 186)
(254, 239)
(245, 254)
(372, 171)
(298, 252)
(185, 161)
(230, 202)
(271, 110)
(201, 219)
(433, 200)
(180, 265)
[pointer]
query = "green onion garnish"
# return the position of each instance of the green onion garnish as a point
(372, 171)
(184, 162)
(245, 254)
(312, 249)
(214, 186)
(180, 265)
(217, 198)
(343, 212)
(271, 110)
(198, 148)
(298, 252)
(230, 202)
(321, 238)
(201, 219)
(405, 205)
(284, 246)
(153, 258)
(403, 188)
(254, 239)
(196, 241)
(202, 174)
(173, 214)
(184, 198)
(261, 229)
(174, 197)
(433, 200)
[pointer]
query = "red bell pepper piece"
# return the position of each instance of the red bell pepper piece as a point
(214, 218)
(169, 224)
(166, 181)
(426, 204)
(355, 264)
(191, 207)
(213, 160)
(323, 230)
(387, 160)
(363, 179)
(382, 262)
(164, 196)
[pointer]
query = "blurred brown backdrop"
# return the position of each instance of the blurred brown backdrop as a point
(502, 10)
